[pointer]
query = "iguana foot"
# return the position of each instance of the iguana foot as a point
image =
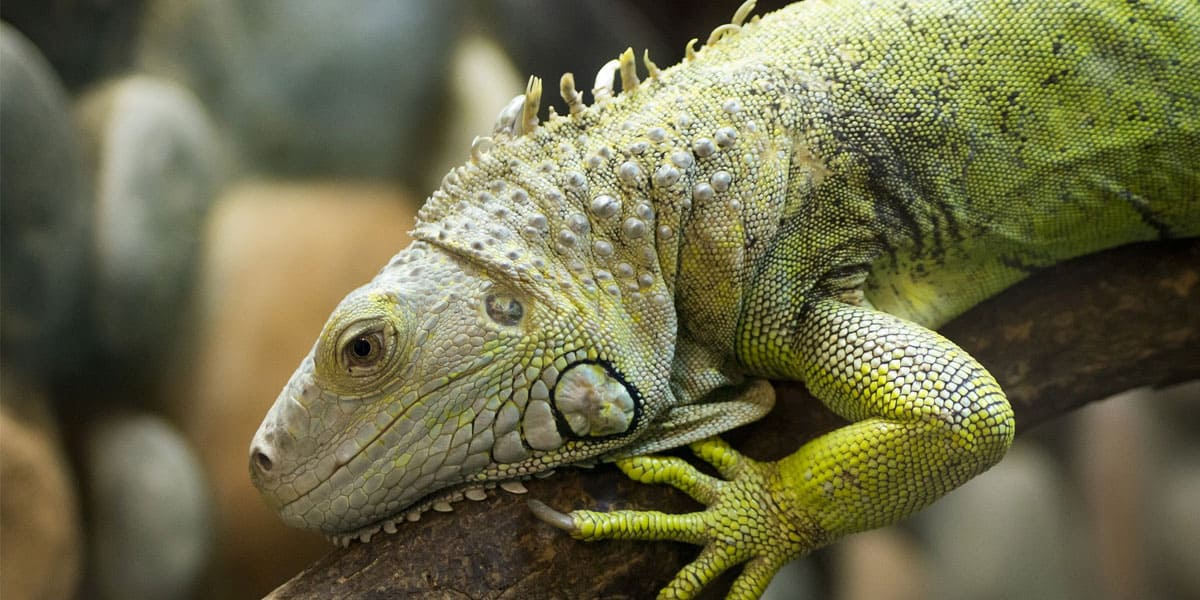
(750, 518)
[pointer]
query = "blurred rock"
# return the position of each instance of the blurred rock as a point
(42, 541)
(150, 510)
(157, 170)
(85, 40)
(797, 580)
(1172, 501)
(882, 564)
(45, 213)
(278, 258)
(310, 88)
(1012, 532)
(1177, 512)
(1180, 408)
(1115, 468)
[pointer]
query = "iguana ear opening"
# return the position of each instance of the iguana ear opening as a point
(722, 410)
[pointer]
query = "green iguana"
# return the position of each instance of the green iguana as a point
(806, 197)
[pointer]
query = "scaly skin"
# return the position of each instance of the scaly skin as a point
(803, 198)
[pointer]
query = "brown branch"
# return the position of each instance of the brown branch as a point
(1073, 334)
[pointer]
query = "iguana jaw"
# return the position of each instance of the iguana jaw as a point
(317, 507)
(440, 501)
(306, 493)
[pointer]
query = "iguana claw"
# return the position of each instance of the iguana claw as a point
(552, 517)
(750, 518)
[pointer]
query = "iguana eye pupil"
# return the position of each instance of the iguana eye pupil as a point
(504, 310)
(365, 351)
(362, 347)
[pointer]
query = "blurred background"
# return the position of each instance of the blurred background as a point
(187, 188)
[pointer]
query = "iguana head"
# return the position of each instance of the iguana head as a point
(441, 375)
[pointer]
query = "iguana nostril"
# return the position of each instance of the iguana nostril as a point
(262, 461)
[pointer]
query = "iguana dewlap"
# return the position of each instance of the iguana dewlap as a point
(803, 198)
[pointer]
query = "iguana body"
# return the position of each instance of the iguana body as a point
(803, 199)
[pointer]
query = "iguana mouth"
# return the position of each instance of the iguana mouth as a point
(439, 501)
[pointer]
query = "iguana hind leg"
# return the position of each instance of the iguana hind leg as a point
(926, 417)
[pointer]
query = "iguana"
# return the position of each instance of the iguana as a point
(805, 197)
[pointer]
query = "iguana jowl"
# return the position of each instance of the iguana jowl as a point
(803, 198)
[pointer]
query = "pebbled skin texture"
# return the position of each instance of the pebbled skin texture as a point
(804, 198)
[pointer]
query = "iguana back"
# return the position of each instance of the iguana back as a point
(971, 144)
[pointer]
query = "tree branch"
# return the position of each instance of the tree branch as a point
(1073, 334)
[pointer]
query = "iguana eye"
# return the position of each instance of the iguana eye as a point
(504, 310)
(364, 350)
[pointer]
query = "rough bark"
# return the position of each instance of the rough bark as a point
(1070, 335)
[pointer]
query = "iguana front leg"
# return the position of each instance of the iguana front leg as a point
(926, 417)
(732, 529)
